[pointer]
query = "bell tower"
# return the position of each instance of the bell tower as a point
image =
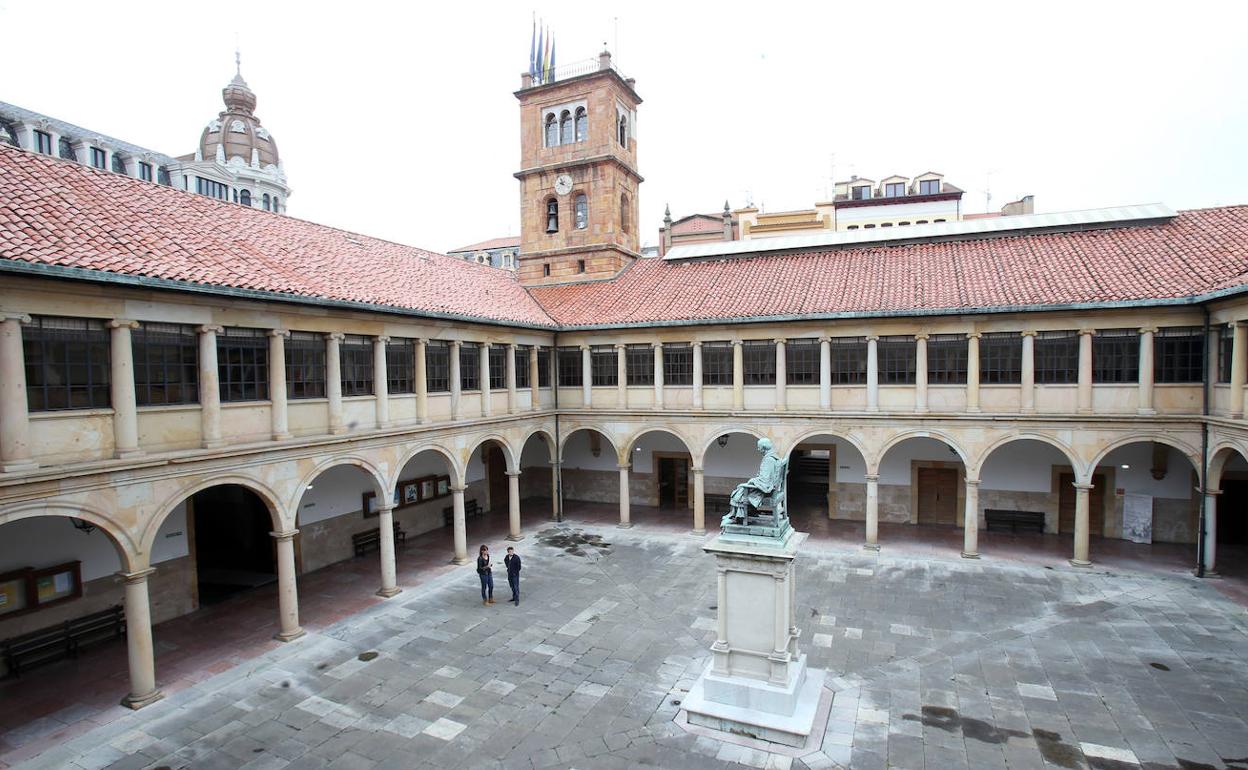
(578, 173)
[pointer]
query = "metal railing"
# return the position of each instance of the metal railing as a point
(575, 69)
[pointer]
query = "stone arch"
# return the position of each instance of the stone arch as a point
(1075, 461)
(509, 454)
(873, 463)
(626, 446)
(546, 434)
(457, 475)
(370, 468)
(728, 430)
(1218, 457)
(272, 501)
(809, 434)
(1192, 454)
(608, 435)
(128, 551)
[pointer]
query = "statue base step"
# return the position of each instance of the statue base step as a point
(758, 709)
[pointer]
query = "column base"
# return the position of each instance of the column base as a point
(514, 538)
(291, 636)
(388, 592)
(921, 410)
(873, 409)
(137, 702)
(1209, 573)
(624, 525)
(1079, 563)
(126, 454)
(1027, 410)
(19, 467)
(966, 555)
(338, 430)
(698, 532)
(1084, 411)
(282, 437)
(460, 561)
(1146, 412)
(870, 546)
(973, 409)
(214, 444)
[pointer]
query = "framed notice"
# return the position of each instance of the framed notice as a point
(411, 492)
(28, 589)
(428, 487)
(1137, 518)
(444, 486)
(13, 592)
(369, 505)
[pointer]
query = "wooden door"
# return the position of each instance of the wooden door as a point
(1066, 504)
(938, 496)
(496, 472)
(673, 482)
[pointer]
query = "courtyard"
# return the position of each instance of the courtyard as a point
(1014, 661)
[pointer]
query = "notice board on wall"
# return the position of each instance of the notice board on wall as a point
(1137, 518)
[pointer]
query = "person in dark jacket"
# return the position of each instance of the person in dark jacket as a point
(486, 575)
(512, 560)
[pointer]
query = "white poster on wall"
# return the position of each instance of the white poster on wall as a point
(1137, 518)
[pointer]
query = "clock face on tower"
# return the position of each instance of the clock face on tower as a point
(563, 184)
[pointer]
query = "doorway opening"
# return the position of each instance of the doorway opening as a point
(673, 481)
(938, 496)
(234, 551)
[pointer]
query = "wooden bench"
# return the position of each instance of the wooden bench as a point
(471, 509)
(1014, 521)
(370, 539)
(65, 640)
(716, 503)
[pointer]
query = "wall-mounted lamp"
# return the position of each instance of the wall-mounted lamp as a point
(722, 441)
(83, 526)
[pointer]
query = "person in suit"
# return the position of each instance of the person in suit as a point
(487, 577)
(512, 560)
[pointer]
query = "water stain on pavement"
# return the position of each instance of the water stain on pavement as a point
(367, 656)
(573, 541)
(949, 720)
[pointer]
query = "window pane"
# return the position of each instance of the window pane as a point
(1001, 358)
(849, 360)
(1178, 354)
(543, 367)
(639, 362)
(760, 362)
(522, 367)
(305, 365)
(604, 366)
(1057, 358)
(1116, 356)
(469, 366)
(717, 363)
(67, 363)
(801, 362)
(896, 356)
(570, 373)
(678, 364)
(946, 359)
(498, 367)
(437, 367)
(401, 365)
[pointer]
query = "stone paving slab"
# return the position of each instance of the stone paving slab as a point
(933, 663)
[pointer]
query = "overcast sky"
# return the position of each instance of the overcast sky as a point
(398, 120)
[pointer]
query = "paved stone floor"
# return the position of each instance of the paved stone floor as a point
(934, 661)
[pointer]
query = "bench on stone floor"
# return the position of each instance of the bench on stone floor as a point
(370, 539)
(717, 503)
(1000, 520)
(471, 509)
(64, 640)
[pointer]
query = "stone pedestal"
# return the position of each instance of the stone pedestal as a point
(757, 683)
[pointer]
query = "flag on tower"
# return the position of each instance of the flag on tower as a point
(540, 64)
(552, 58)
(533, 49)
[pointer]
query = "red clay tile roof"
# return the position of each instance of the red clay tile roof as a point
(493, 243)
(64, 214)
(1196, 253)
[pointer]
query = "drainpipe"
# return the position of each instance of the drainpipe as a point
(1204, 450)
(557, 470)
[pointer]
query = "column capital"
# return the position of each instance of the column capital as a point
(382, 338)
(1028, 333)
(119, 323)
(279, 333)
(780, 340)
(697, 343)
(8, 315)
(1088, 332)
(512, 347)
(624, 466)
(1148, 330)
(209, 329)
(138, 576)
(824, 339)
(871, 476)
(697, 470)
(385, 505)
(336, 336)
(455, 343)
(737, 342)
(459, 488)
(620, 346)
(873, 337)
(1209, 492)
(1081, 485)
(656, 345)
(1237, 324)
(287, 535)
(921, 336)
(513, 473)
(583, 346)
(974, 335)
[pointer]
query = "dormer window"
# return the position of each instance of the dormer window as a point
(66, 150)
(98, 157)
(552, 130)
(929, 186)
(894, 189)
(119, 164)
(145, 172)
(861, 193)
(43, 142)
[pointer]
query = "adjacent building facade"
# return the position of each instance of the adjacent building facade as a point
(496, 252)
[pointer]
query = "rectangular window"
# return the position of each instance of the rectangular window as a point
(1179, 354)
(543, 367)
(305, 365)
(469, 366)
(1056, 358)
(522, 367)
(212, 188)
(99, 158)
(603, 366)
(678, 363)
(166, 364)
(570, 374)
(355, 356)
(946, 359)
(1001, 358)
(801, 362)
(243, 364)
(145, 171)
(498, 367)
(894, 189)
(67, 363)
(1116, 355)
(43, 142)
(929, 186)
(639, 364)
(437, 367)
(717, 363)
(862, 193)
(896, 359)
(760, 362)
(401, 365)
(849, 360)
(1226, 345)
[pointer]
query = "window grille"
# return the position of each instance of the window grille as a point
(305, 365)
(1001, 358)
(760, 362)
(639, 364)
(498, 367)
(677, 363)
(849, 360)
(717, 363)
(67, 363)
(522, 367)
(469, 366)
(1178, 354)
(603, 366)
(145, 172)
(401, 365)
(946, 359)
(1116, 355)
(896, 360)
(543, 367)
(355, 355)
(64, 148)
(1056, 357)
(582, 125)
(43, 142)
(801, 362)
(243, 364)
(437, 367)
(166, 364)
(570, 374)
(1226, 347)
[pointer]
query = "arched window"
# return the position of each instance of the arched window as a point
(552, 130)
(624, 131)
(565, 128)
(582, 124)
(266, 203)
(552, 216)
(581, 211)
(277, 205)
(624, 224)
(244, 197)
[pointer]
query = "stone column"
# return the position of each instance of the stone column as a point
(422, 382)
(697, 375)
(970, 521)
(209, 387)
(535, 394)
(621, 376)
(1027, 396)
(699, 503)
(825, 373)
(720, 648)
(381, 381)
(1081, 525)
(513, 506)
(1146, 371)
(1211, 532)
(333, 381)
(658, 374)
(287, 592)
(509, 369)
(483, 377)
(554, 491)
(625, 521)
(139, 649)
(738, 376)
(459, 528)
(385, 528)
(1239, 367)
(972, 372)
(873, 512)
(121, 384)
(15, 451)
(920, 372)
(782, 379)
(456, 391)
(277, 384)
(1085, 370)
(587, 377)
(873, 374)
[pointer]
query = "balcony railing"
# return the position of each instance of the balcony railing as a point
(569, 71)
